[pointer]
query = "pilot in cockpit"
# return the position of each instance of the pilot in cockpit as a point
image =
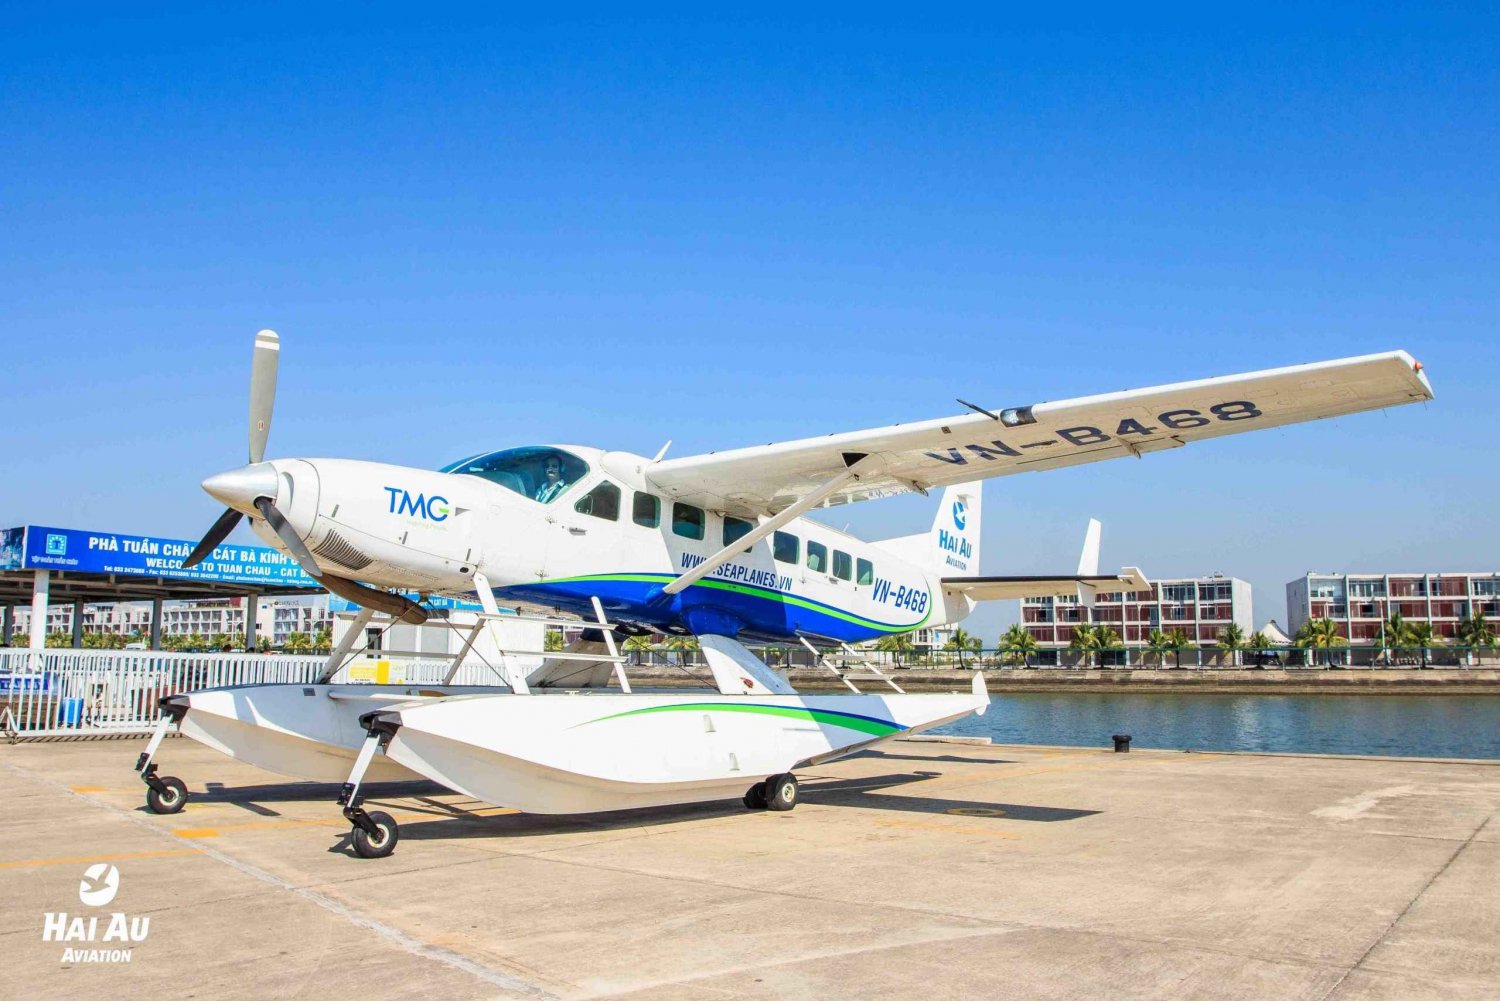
(554, 484)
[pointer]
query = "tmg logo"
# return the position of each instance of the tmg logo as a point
(960, 515)
(434, 508)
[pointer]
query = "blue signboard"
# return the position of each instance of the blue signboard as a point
(78, 551)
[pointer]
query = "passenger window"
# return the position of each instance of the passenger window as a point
(784, 547)
(687, 521)
(735, 529)
(843, 566)
(646, 511)
(866, 574)
(817, 556)
(602, 502)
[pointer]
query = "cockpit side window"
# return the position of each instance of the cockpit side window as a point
(539, 472)
(602, 502)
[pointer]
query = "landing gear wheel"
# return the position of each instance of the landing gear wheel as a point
(755, 799)
(170, 798)
(781, 792)
(367, 845)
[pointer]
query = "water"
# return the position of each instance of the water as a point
(1433, 726)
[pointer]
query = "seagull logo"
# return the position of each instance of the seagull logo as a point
(101, 881)
(960, 518)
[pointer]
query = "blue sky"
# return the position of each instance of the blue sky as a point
(486, 230)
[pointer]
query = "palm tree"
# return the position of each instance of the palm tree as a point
(322, 640)
(1105, 638)
(297, 643)
(1321, 634)
(895, 644)
(640, 645)
(682, 645)
(1476, 634)
(553, 640)
(1018, 640)
(1157, 643)
(1423, 636)
(1258, 642)
(963, 642)
(1178, 641)
(1083, 641)
(1232, 639)
(1395, 633)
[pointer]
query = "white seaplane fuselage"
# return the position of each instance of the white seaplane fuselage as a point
(566, 751)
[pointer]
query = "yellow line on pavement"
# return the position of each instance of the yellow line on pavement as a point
(26, 863)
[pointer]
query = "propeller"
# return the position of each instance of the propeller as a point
(256, 483)
(263, 367)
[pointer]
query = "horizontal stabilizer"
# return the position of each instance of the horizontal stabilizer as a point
(1001, 588)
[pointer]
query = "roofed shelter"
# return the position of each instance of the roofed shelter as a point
(40, 565)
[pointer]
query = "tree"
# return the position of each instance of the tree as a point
(963, 642)
(640, 645)
(1395, 633)
(1424, 637)
(1258, 643)
(682, 645)
(895, 644)
(322, 640)
(297, 643)
(1476, 634)
(1232, 639)
(1321, 634)
(1018, 640)
(1092, 641)
(1178, 641)
(553, 640)
(1158, 643)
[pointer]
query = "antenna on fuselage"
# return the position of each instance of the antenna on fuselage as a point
(661, 451)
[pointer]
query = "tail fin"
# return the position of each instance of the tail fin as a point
(951, 545)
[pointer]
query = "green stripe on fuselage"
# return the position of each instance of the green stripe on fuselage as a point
(752, 591)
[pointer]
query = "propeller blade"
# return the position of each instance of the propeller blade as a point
(395, 605)
(263, 391)
(211, 539)
(292, 540)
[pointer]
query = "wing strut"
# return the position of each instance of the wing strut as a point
(855, 463)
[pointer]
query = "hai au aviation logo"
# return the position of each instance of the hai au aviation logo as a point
(99, 938)
(960, 515)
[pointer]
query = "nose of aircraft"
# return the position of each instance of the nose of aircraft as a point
(238, 488)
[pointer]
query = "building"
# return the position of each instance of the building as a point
(1361, 603)
(1199, 606)
(276, 618)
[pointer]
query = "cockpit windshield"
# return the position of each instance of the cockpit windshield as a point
(540, 472)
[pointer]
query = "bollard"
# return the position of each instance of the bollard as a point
(1122, 743)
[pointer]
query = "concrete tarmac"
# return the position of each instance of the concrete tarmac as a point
(921, 870)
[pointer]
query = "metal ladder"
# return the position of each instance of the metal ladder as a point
(849, 656)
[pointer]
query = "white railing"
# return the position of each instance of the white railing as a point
(67, 692)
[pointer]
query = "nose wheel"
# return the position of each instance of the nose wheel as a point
(375, 833)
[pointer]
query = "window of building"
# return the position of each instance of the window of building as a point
(785, 547)
(687, 521)
(540, 472)
(817, 556)
(864, 572)
(1178, 592)
(645, 510)
(735, 529)
(602, 502)
(843, 565)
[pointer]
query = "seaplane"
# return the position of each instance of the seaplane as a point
(718, 546)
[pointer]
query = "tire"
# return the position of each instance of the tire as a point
(376, 846)
(781, 792)
(171, 800)
(755, 798)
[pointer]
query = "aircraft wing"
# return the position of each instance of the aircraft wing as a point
(1002, 588)
(764, 479)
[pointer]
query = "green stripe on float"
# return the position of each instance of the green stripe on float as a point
(849, 721)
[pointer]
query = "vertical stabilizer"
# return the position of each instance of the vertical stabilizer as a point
(951, 546)
(1088, 560)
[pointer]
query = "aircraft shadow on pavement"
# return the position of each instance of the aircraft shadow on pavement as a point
(953, 759)
(450, 821)
(253, 798)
